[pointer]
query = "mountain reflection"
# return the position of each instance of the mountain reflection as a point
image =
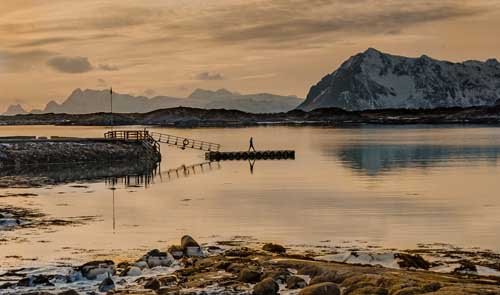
(374, 159)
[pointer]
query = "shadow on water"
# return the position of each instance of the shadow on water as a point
(374, 159)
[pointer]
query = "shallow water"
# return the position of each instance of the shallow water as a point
(394, 187)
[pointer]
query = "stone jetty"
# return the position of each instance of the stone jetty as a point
(57, 150)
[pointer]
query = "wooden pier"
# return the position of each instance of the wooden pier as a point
(257, 155)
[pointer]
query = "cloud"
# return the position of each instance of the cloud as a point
(45, 41)
(209, 76)
(20, 61)
(106, 67)
(70, 65)
(276, 23)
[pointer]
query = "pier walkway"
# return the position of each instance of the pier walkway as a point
(154, 139)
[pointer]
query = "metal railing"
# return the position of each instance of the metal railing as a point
(183, 142)
(154, 139)
(135, 135)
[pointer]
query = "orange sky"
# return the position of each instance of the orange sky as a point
(50, 47)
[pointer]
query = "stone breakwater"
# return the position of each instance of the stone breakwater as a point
(189, 268)
(35, 152)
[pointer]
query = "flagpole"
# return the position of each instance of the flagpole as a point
(111, 98)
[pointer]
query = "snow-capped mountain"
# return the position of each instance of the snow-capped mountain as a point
(376, 80)
(94, 101)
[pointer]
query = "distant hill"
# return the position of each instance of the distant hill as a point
(94, 101)
(15, 109)
(377, 80)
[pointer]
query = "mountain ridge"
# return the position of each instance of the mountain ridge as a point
(91, 101)
(376, 80)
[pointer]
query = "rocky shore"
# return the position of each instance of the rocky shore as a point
(189, 268)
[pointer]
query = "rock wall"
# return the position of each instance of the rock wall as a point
(16, 153)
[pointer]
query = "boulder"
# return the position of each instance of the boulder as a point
(68, 292)
(311, 270)
(412, 261)
(37, 280)
(279, 275)
(156, 258)
(274, 248)
(176, 251)
(295, 282)
(190, 247)
(249, 276)
(91, 270)
(466, 267)
(431, 287)
(141, 264)
(152, 284)
(327, 276)
(321, 289)
(133, 271)
(188, 241)
(266, 287)
(106, 285)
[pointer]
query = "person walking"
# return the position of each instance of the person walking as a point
(251, 146)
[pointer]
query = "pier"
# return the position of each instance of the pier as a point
(252, 155)
(140, 146)
(133, 146)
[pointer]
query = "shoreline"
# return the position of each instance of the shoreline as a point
(240, 267)
(183, 117)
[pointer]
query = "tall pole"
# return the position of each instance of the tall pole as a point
(111, 103)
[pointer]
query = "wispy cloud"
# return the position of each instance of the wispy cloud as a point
(107, 67)
(18, 61)
(45, 41)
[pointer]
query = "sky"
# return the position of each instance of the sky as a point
(171, 47)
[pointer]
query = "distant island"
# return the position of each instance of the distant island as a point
(371, 80)
(195, 117)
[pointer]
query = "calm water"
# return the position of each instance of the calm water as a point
(390, 186)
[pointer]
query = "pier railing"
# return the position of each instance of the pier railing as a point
(154, 139)
(142, 136)
(183, 142)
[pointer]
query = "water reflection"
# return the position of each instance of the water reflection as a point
(191, 170)
(373, 159)
(126, 173)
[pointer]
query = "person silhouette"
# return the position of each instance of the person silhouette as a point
(252, 163)
(251, 146)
